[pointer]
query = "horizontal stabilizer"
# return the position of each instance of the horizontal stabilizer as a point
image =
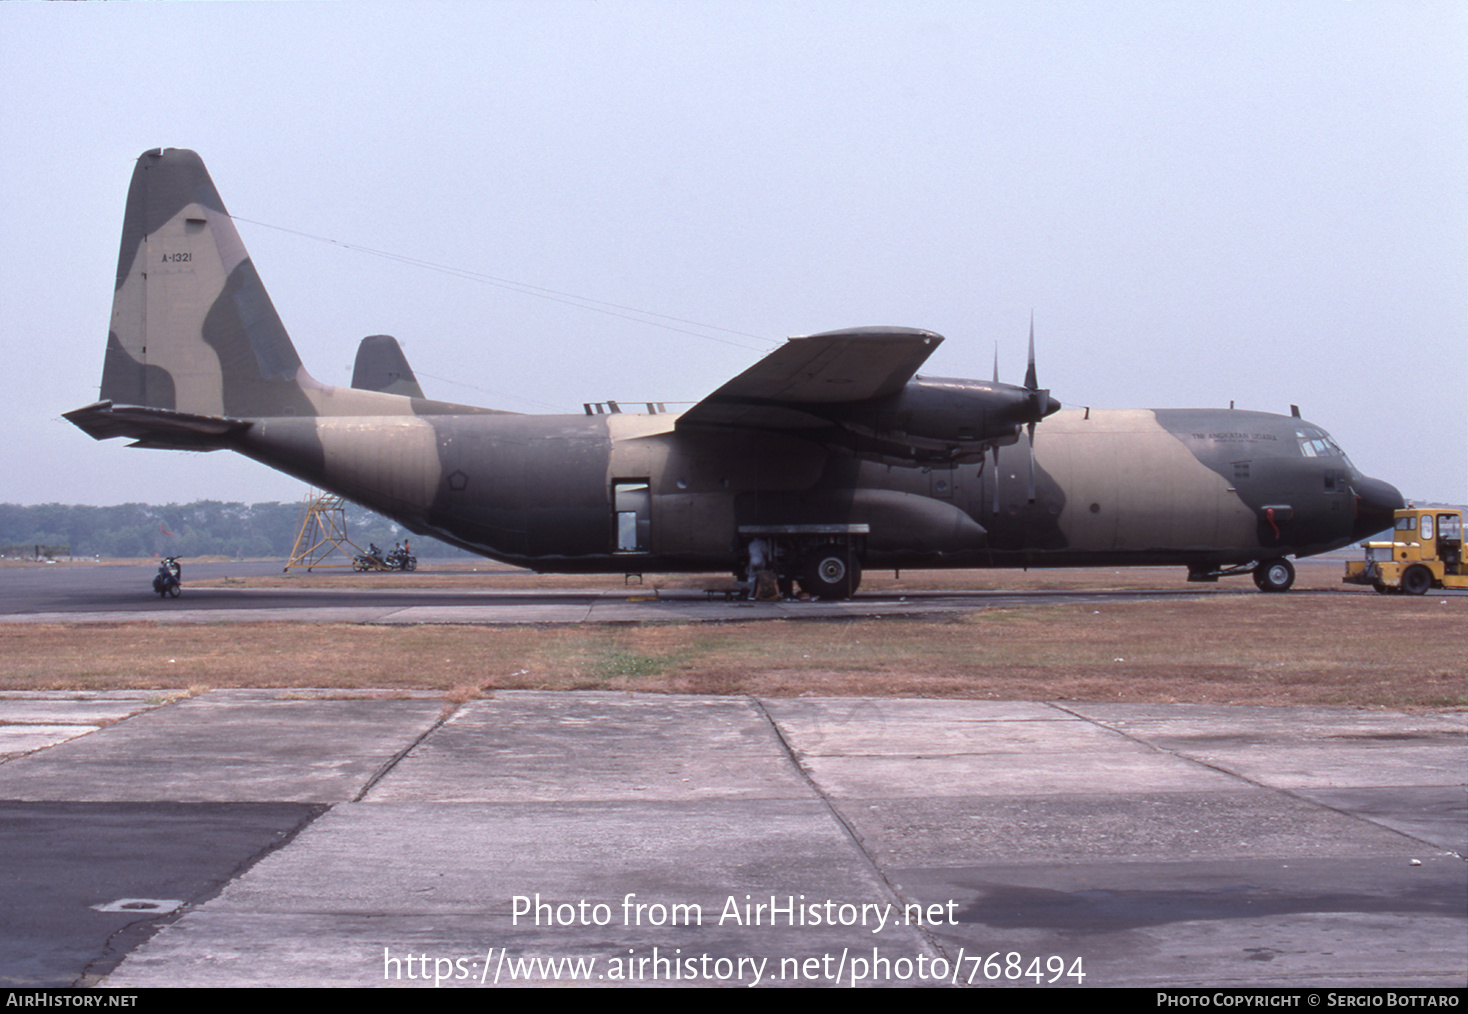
(156, 427)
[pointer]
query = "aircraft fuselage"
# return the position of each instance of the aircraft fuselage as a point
(1194, 487)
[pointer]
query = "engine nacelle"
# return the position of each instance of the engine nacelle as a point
(933, 420)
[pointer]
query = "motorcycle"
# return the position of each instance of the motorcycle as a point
(400, 559)
(375, 559)
(168, 582)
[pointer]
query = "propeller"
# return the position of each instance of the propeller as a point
(1038, 400)
(996, 446)
(1040, 405)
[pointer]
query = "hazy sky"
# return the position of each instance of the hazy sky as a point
(1201, 202)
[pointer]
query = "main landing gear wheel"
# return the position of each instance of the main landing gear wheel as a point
(832, 575)
(1275, 575)
(1416, 581)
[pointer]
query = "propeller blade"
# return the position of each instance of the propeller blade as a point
(1031, 428)
(1031, 383)
(996, 478)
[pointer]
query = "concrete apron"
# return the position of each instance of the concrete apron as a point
(361, 838)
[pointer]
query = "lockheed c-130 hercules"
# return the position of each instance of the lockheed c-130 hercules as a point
(831, 450)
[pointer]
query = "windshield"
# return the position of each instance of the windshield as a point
(1316, 443)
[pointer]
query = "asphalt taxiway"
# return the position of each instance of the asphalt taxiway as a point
(120, 594)
(294, 837)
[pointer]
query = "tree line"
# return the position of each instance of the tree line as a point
(202, 528)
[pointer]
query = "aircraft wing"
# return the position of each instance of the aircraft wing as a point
(835, 367)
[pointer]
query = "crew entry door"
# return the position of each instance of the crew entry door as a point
(631, 516)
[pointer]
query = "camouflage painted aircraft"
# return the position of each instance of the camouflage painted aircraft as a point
(830, 450)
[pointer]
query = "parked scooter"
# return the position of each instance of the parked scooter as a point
(168, 582)
(370, 560)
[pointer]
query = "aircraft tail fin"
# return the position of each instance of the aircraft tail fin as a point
(381, 366)
(193, 330)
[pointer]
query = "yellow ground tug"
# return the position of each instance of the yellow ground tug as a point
(1426, 552)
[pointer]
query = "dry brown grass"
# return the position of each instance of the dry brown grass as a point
(1340, 649)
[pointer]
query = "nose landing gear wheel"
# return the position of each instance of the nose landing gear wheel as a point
(1274, 575)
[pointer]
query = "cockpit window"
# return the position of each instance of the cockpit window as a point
(1316, 443)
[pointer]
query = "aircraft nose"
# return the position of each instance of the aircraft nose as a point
(1375, 503)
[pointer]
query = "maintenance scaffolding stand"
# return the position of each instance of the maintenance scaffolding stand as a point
(322, 534)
